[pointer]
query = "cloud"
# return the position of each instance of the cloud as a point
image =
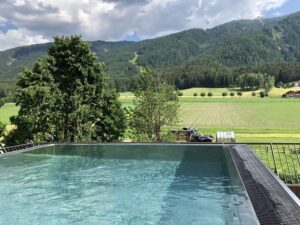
(112, 20)
(13, 38)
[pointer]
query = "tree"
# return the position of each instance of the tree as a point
(65, 98)
(240, 93)
(269, 84)
(209, 94)
(224, 94)
(203, 94)
(1, 125)
(232, 94)
(251, 81)
(155, 109)
(195, 94)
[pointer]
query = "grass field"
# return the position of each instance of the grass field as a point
(253, 119)
(6, 111)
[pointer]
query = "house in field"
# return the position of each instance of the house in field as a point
(291, 94)
(297, 83)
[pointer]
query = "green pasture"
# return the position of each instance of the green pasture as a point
(6, 111)
(253, 119)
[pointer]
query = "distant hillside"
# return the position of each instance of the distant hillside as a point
(239, 44)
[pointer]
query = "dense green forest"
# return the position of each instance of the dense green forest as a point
(214, 57)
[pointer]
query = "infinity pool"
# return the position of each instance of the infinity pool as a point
(123, 184)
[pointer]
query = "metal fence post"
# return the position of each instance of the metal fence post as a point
(273, 156)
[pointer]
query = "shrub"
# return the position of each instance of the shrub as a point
(203, 94)
(224, 94)
(240, 93)
(232, 94)
(262, 94)
(195, 94)
(179, 93)
(253, 93)
(280, 84)
(209, 94)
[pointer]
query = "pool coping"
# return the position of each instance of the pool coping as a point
(233, 171)
(273, 201)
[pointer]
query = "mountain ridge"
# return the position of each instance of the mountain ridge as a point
(239, 43)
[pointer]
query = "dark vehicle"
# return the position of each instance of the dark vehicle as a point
(201, 138)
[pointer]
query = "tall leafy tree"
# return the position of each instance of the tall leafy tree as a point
(269, 83)
(65, 98)
(155, 108)
(1, 125)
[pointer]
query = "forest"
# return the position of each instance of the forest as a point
(214, 57)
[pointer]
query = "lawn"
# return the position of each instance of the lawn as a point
(6, 111)
(253, 119)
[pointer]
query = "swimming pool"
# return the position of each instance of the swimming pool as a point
(123, 184)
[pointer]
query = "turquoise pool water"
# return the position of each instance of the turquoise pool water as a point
(122, 184)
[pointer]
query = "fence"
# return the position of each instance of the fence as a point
(282, 158)
(16, 148)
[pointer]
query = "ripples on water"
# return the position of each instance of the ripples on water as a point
(117, 185)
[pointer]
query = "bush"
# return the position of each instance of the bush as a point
(253, 93)
(203, 94)
(179, 93)
(232, 94)
(195, 94)
(209, 94)
(240, 93)
(280, 84)
(262, 94)
(224, 94)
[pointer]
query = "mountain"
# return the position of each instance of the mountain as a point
(229, 47)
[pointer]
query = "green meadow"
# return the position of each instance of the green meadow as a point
(254, 119)
(6, 111)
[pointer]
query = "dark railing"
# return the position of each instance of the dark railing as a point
(16, 148)
(282, 158)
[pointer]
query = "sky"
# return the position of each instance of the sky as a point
(25, 22)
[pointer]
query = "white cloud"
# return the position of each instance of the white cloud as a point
(115, 19)
(13, 38)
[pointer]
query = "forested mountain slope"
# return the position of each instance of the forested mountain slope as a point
(243, 45)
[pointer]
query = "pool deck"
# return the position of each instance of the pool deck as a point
(273, 202)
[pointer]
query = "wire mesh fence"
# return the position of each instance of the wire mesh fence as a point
(282, 158)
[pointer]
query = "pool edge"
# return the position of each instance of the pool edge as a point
(273, 201)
